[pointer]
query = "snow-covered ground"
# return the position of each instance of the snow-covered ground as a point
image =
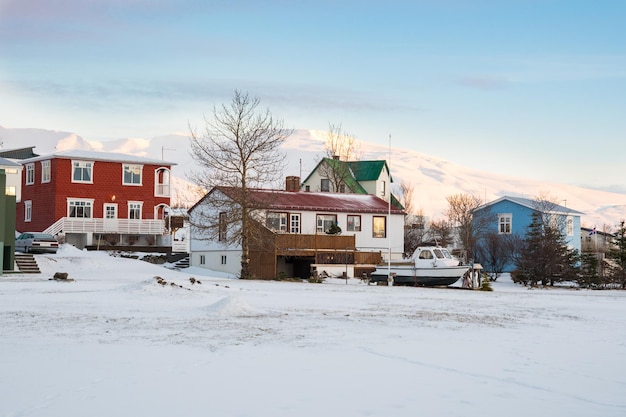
(115, 342)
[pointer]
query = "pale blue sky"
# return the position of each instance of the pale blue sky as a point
(531, 88)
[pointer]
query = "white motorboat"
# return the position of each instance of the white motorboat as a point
(429, 266)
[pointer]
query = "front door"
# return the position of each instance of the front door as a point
(110, 217)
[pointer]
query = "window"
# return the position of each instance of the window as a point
(342, 188)
(504, 224)
(307, 188)
(383, 188)
(45, 171)
(82, 171)
(80, 208)
(223, 259)
(28, 210)
(354, 223)
(30, 174)
(202, 259)
(426, 254)
(325, 221)
(131, 174)
(570, 226)
(223, 222)
(379, 226)
(110, 211)
(162, 179)
(10, 190)
(134, 210)
(325, 185)
(277, 222)
(294, 223)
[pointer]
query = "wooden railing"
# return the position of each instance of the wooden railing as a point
(314, 242)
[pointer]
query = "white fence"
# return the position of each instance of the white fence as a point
(120, 226)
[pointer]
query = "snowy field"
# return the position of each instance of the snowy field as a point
(115, 342)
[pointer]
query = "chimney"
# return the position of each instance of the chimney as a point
(293, 183)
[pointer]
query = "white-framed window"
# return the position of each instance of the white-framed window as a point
(223, 259)
(202, 260)
(28, 210)
(354, 223)
(383, 188)
(325, 221)
(570, 226)
(80, 208)
(131, 174)
(277, 222)
(82, 171)
(162, 180)
(379, 226)
(294, 223)
(30, 174)
(45, 171)
(134, 210)
(110, 211)
(505, 221)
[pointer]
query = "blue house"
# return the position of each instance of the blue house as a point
(512, 215)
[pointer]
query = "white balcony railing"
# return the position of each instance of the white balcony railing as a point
(162, 190)
(120, 226)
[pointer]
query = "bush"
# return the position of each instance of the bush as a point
(486, 285)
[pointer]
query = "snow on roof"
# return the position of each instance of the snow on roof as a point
(532, 204)
(99, 156)
(320, 202)
(8, 163)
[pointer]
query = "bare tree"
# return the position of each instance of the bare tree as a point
(239, 150)
(460, 214)
(441, 232)
(406, 197)
(415, 232)
(340, 148)
(341, 144)
(495, 251)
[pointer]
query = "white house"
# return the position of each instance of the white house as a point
(295, 227)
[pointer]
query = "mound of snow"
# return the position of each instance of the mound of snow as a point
(231, 306)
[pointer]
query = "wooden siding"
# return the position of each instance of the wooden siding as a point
(319, 249)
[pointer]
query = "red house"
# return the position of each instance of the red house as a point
(94, 198)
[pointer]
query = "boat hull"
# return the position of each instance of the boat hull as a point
(424, 277)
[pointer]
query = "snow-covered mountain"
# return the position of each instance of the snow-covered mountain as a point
(433, 178)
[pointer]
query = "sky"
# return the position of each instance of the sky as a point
(115, 342)
(531, 88)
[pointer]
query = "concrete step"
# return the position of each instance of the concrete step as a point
(27, 263)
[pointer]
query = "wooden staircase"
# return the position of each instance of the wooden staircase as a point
(26, 263)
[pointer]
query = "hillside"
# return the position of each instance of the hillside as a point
(432, 177)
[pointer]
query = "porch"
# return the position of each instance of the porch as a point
(295, 255)
(99, 225)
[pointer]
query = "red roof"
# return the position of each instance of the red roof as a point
(280, 200)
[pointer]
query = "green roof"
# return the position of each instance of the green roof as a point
(367, 170)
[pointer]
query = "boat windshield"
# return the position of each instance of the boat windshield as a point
(438, 253)
(425, 254)
(446, 254)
